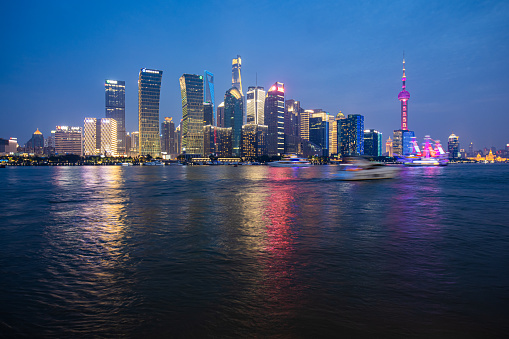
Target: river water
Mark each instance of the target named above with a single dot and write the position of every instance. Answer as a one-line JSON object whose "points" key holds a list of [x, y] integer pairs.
{"points": [[253, 251]]}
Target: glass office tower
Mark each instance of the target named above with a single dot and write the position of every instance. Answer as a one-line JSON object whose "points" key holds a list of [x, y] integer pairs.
{"points": [[191, 90], [255, 104], [115, 109], [274, 118], [149, 90], [233, 117], [208, 92]]}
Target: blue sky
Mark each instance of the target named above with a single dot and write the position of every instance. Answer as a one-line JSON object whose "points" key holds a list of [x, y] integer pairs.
{"points": [[334, 55]]}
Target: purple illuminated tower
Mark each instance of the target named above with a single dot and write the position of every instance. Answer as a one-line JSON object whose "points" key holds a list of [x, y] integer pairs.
{"points": [[403, 96]]}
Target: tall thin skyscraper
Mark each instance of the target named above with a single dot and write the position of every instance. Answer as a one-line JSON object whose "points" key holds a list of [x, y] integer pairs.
{"points": [[274, 112], [236, 77], [255, 105], [208, 92], [403, 96], [115, 109], [191, 90], [149, 90], [220, 115], [351, 131], [233, 110]]}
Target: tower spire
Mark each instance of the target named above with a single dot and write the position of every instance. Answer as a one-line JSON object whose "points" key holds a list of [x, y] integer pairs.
{"points": [[403, 96]]}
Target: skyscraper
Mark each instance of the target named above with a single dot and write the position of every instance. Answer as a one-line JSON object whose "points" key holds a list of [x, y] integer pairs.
{"points": [[253, 140], [255, 101], [372, 143], [208, 114], [351, 135], [236, 74], [403, 96], [453, 146], [100, 137], [220, 115], [115, 109], [191, 90], [168, 142], [233, 117], [208, 93], [319, 133], [274, 112], [91, 137], [149, 90], [36, 143], [109, 137]]}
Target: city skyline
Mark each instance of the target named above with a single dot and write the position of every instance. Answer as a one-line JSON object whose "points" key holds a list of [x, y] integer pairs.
{"points": [[454, 74]]}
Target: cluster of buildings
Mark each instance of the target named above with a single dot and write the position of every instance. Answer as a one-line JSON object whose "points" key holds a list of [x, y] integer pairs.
{"points": [[256, 123]]}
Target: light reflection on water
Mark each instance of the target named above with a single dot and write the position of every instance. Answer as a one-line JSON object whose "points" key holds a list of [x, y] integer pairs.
{"points": [[251, 251]]}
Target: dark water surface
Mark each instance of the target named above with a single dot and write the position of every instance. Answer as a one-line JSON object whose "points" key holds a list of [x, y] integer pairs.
{"points": [[253, 251]]}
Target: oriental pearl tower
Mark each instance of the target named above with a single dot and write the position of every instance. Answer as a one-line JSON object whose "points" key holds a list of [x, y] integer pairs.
{"points": [[403, 96]]}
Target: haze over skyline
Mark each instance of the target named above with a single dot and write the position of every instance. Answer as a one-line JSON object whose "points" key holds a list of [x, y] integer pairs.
{"points": [[338, 56]]}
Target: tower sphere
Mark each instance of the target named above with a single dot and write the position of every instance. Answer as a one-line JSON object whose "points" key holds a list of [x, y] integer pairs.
{"points": [[404, 95]]}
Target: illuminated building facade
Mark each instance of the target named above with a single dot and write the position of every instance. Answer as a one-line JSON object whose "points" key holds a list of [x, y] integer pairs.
{"points": [[292, 112], [402, 142], [236, 74], [135, 143], [372, 143], [36, 143], [220, 115], [68, 140], [388, 147], [100, 137], [223, 141], [255, 101], [8, 146], [168, 140], [208, 97], [191, 90], [115, 109], [351, 130], [254, 140], [91, 137], [319, 133], [149, 90], [233, 117], [208, 114], [335, 134], [304, 123], [453, 146], [109, 137], [274, 118]]}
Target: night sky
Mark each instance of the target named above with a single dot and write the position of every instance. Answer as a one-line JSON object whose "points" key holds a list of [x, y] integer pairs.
{"points": [[334, 55]]}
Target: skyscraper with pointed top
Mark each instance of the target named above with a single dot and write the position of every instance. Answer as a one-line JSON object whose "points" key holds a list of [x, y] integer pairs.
{"points": [[403, 96], [236, 77]]}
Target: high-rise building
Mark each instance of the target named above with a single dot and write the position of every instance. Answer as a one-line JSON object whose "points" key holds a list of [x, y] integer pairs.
{"points": [[233, 117], [191, 90], [319, 133], [91, 137], [208, 114], [274, 118], [168, 141], [149, 90], [471, 151], [304, 123], [115, 109], [236, 74], [335, 134], [36, 143], [319, 113], [68, 140], [402, 142], [292, 113], [255, 104], [100, 137], [109, 137], [453, 146], [220, 115], [351, 131], [388, 147], [178, 137], [253, 140], [135, 143], [403, 96], [208, 94], [372, 143], [209, 140], [223, 141]]}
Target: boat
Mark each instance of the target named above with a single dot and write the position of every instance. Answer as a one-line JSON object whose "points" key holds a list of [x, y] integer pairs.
{"points": [[154, 163], [429, 155], [127, 164], [290, 160], [361, 169]]}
